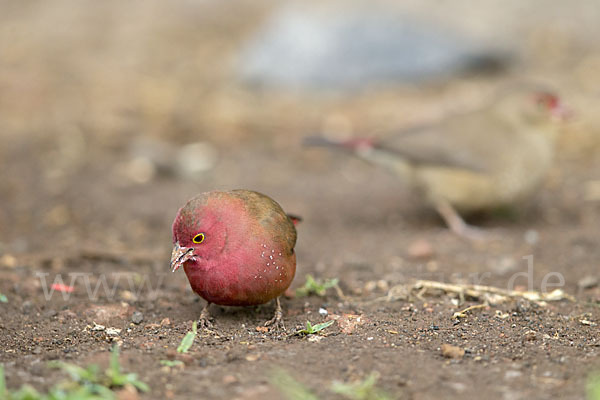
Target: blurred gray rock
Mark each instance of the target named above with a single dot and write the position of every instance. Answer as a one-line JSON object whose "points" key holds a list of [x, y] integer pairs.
{"points": [[137, 317], [351, 48], [150, 158], [196, 158]]}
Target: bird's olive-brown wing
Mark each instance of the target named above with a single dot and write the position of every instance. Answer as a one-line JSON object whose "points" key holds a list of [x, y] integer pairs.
{"points": [[473, 141], [270, 215]]}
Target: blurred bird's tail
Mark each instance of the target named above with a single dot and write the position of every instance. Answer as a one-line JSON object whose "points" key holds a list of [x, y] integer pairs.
{"points": [[295, 219], [368, 149], [354, 144]]}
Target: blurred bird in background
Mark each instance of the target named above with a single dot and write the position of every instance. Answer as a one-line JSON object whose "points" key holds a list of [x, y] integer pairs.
{"points": [[476, 161]]}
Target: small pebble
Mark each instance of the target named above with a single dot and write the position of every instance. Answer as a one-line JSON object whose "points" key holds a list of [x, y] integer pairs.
{"points": [[129, 392], [588, 282], [532, 237], [140, 170], [113, 331], [450, 351], [322, 311], [98, 328], [26, 306], [8, 261], [196, 158], [512, 374], [137, 317], [420, 249]]}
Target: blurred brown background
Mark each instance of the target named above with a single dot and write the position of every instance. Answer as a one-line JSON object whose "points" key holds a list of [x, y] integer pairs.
{"points": [[113, 113]]}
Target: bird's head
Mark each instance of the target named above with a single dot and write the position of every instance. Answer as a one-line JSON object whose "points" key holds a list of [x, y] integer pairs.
{"points": [[199, 232], [532, 106], [550, 105]]}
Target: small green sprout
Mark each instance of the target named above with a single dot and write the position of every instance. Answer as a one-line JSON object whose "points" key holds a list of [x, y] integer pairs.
{"points": [[593, 388], [312, 329], [119, 379], [364, 390], [3, 391], [188, 339], [84, 384], [291, 388], [91, 374], [171, 363], [314, 286]]}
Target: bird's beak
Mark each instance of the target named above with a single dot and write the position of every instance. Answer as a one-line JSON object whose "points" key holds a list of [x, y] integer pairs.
{"points": [[562, 112], [180, 255]]}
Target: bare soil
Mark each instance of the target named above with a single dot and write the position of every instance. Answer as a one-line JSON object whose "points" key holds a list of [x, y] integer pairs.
{"points": [[78, 198]]}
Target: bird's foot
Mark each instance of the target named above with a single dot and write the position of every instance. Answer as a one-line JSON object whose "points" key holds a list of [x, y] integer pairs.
{"points": [[471, 233], [204, 321], [276, 323], [458, 225]]}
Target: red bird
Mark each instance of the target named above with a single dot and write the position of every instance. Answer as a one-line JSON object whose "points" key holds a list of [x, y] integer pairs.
{"points": [[236, 248]]}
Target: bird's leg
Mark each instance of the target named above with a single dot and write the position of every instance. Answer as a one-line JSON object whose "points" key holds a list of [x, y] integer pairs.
{"points": [[204, 320], [277, 320], [457, 224]]}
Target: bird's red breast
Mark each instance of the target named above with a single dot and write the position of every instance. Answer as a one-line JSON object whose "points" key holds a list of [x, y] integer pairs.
{"points": [[246, 256]]}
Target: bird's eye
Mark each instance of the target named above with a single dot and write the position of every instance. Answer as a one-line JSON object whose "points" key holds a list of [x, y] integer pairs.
{"points": [[199, 238]]}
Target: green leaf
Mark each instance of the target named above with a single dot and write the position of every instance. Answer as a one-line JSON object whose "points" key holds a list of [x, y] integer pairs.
{"points": [[313, 286], [26, 392], [3, 392], [364, 390], [321, 326], [188, 339], [291, 388], [171, 363], [593, 388], [312, 329], [114, 366], [132, 379], [89, 374], [84, 384], [119, 379], [3, 298], [309, 327], [77, 392]]}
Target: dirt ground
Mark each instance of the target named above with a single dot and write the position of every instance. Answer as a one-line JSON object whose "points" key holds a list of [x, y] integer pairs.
{"points": [[94, 130]]}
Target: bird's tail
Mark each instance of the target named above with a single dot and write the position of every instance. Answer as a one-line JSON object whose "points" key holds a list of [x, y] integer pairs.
{"points": [[353, 144], [369, 150], [295, 219]]}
